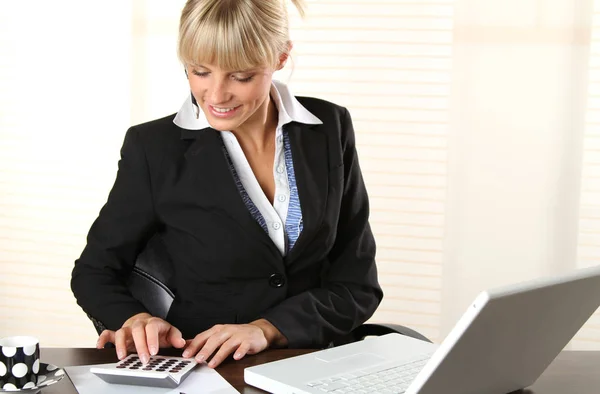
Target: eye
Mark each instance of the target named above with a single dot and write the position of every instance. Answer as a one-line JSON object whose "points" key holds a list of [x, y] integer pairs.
{"points": [[200, 73], [246, 79]]}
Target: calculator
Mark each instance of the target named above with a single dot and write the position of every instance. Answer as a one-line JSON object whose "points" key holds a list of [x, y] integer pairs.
{"points": [[161, 371]]}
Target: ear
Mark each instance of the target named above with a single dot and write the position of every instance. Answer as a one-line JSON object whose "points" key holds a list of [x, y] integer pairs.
{"points": [[283, 58]]}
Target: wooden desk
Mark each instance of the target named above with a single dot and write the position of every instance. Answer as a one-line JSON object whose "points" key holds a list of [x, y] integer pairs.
{"points": [[571, 372]]}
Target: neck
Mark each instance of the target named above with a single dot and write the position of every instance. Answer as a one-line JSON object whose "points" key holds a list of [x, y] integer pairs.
{"points": [[258, 133]]}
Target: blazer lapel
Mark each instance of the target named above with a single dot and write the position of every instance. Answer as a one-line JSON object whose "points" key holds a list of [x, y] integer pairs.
{"points": [[207, 161], [311, 167]]}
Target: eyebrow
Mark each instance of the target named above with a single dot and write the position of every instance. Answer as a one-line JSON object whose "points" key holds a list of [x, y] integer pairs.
{"points": [[230, 72]]}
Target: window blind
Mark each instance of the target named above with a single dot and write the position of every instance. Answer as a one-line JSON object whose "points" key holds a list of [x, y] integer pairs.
{"points": [[389, 63], [589, 217]]}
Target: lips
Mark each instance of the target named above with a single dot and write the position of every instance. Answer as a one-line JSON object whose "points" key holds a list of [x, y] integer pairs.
{"points": [[223, 112]]}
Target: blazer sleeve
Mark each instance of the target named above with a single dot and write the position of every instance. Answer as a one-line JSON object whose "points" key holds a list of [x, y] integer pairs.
{"points": [[350, 291], [116, 237]]}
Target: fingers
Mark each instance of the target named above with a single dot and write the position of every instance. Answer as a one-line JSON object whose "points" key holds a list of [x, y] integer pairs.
{"points": [[146, 336], [105, 337], [121, 337], [143, 334], [212, 344], [175, 338], [224, 351], [242, 350], [198, 342], [223, 340], [207, 342], [138, 332], [152, 337]]}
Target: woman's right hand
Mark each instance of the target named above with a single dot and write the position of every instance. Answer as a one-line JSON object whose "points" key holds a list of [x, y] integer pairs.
{"points": [[144, 334]]}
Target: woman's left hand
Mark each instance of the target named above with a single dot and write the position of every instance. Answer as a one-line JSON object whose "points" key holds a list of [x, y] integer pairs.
{"points": [[224, 339]]}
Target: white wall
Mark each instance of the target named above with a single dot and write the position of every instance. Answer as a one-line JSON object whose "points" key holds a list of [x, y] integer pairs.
{"points": [[518, 109], [64, 106]]}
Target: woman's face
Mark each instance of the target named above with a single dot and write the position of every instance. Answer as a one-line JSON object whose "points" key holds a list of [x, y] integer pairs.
{"points": [[231, 100]]}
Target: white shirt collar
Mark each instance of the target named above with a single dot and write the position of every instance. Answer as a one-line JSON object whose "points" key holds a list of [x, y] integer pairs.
{"points": [[190, 117]]}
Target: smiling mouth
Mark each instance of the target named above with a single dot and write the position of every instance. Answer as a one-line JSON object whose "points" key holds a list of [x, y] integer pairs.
{"points": [[223, 110]]}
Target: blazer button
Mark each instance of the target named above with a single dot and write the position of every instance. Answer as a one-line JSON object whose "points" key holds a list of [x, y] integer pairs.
{"points": [[276, 280]]}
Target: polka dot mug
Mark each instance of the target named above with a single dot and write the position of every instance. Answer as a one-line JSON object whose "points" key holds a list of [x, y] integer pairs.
{"points": [[19, 362]]}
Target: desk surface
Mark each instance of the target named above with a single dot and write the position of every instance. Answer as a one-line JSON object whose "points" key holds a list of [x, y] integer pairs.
{"points": [[571, 372]]}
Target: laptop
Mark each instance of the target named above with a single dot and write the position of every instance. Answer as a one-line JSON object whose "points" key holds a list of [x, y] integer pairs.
{"points": [[503, 342]]}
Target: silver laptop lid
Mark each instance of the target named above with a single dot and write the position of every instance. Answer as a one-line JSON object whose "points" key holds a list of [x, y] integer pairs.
{"points": [[508, 336], [503, 342]]}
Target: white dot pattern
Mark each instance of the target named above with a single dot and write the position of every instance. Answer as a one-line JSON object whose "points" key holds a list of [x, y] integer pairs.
{"points": [[36, 366], [2, 369], [9, 351], [29, 350], [20, 378], [19, 370]]}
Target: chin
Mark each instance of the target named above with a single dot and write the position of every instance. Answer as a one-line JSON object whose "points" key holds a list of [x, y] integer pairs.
{"points": [[222, 125]]}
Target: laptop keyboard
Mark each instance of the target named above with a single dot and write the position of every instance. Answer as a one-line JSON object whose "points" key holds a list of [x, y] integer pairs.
{"points": [[384, 379]]}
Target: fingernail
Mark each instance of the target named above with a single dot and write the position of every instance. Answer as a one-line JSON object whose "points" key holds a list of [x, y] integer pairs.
{"points": [[144, 358], [200, 358], [186, 354], [237, 356], [211, 364], [120, 354], [153, 350]]}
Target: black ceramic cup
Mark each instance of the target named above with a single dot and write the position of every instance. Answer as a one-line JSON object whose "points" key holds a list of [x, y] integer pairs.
{"points": [[19, 362]]}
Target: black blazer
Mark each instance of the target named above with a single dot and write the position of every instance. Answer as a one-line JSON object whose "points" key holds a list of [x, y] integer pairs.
{"points": [[177, 183]]}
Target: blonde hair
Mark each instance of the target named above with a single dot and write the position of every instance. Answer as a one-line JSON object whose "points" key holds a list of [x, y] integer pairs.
{"points": [[234, 34]]}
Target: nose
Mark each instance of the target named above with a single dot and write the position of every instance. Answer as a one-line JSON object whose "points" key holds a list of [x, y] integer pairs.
{"points": [[218, 92]]}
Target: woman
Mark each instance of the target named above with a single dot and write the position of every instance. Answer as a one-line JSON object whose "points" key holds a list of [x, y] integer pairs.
{"points": [[257, 196]]}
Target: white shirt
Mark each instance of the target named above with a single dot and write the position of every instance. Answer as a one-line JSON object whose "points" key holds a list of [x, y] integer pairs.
{"points": [[289, 109]]}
